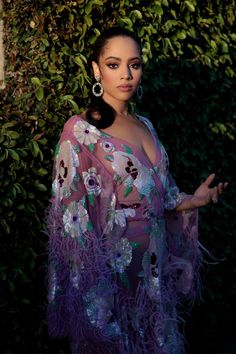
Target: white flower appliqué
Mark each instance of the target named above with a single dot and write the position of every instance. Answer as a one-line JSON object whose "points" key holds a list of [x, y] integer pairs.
{"points": [[92, 181], [86, 133], [67, 161], [136, 174], [75, 219], [107, 146]]}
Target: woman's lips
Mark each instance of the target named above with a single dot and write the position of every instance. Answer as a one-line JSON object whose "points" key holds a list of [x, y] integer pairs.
{"points": [[125, 88]]}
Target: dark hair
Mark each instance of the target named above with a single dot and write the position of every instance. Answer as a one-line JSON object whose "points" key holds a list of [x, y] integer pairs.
{"points": [[100, 113]]}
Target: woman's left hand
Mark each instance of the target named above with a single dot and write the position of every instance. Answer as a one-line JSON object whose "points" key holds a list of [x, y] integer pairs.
{"points": [[205, 194]]}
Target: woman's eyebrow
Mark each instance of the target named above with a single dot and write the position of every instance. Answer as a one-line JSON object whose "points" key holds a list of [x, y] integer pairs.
{"points": [[119, 59]]}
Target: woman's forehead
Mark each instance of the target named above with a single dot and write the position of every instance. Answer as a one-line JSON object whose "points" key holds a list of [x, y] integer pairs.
{"points": [[121, 47]]}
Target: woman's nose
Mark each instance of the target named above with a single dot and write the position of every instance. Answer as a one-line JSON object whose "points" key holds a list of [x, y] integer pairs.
{"points": [[127, 73]]}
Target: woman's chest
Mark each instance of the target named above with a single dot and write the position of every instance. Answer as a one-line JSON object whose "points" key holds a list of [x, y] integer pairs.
{"points": [[137, 136]]}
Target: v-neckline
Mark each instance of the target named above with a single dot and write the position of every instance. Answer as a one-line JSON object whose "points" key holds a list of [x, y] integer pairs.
{"points": [[133, 146], [129, 144]]}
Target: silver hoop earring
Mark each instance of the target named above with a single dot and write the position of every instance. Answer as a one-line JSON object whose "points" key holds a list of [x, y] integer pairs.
{"points": [[139, 92], [97, 88]]}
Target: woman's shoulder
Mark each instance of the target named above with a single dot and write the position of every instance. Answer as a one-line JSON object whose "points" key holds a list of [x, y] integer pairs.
{"points": [[72, 121]]}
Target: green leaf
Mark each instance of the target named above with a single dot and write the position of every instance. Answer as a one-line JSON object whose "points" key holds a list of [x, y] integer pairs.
{"points": [[13, 134], [190, 6], [78, 61], [88, 7], [41, 172], [136, 14], [43, 141], [7, 202], [34, 147], [13, 154], [40, 93], [40, 186], [35, 81], [67, 97], [181, 35], [74, 105], [159, 10], [5, 226], [20, 190], [127, 21], [8, 125], [45, 42]]}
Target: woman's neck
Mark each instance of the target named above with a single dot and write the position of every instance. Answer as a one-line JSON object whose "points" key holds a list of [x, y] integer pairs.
{"points": [[120, 107]]}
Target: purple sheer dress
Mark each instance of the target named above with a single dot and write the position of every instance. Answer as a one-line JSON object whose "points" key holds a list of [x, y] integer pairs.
{"points": [[121, 260]]}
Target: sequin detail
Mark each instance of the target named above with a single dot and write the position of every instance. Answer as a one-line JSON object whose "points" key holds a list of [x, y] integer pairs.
{"points": [[122, 255]]}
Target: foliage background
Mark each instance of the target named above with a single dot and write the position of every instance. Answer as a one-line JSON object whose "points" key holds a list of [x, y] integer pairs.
{"points": [[189, 62]]}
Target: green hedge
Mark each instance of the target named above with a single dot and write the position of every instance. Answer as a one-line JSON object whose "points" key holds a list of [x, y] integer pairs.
{"points": [[189, 62]]}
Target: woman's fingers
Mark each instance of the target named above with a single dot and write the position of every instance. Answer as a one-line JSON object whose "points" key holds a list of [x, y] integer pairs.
{"points": [[218, 190], [214, 192], [209, 179], [221, 187], [214, 196]]}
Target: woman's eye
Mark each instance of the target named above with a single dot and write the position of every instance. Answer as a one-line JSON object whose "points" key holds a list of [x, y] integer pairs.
{"points": [[135, 65], [112, 65]]}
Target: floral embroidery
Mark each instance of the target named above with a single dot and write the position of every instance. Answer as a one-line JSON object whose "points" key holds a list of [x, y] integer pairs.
{"points": [[86, 133], [122, 255], [67, 161], [92, 181], [131, 169], [134, 173], [122, 214], [75, 219], [118, 216], [107, 146]]}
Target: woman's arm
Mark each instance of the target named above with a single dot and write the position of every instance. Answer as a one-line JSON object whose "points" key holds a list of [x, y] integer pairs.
{"points": [[203, 195]]}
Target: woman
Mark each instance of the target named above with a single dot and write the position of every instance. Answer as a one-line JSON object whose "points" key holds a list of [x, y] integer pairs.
{"points": [[123, 240]]}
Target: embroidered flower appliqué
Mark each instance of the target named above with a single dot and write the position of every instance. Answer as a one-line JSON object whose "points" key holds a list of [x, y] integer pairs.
{"points": [[67, 161], [86, 133], [75, 219], [133, 172], [92, 181], [122, 253], [107, 146]]}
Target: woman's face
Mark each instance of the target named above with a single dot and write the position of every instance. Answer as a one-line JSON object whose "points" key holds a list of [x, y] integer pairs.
{"points": [[119, 68]]}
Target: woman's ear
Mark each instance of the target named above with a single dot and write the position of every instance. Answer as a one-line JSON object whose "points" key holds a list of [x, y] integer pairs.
{"points": [[96, 71]]}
